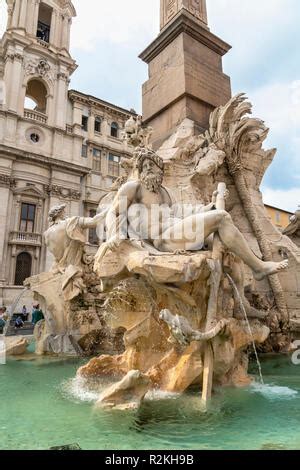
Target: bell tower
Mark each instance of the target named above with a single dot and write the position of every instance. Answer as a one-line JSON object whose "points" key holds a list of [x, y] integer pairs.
{"points": [[37, 60], [186, 79]]}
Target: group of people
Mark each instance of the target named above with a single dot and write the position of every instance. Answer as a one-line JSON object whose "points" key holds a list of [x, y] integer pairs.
{"points": [[3, 318], [36, 316]]}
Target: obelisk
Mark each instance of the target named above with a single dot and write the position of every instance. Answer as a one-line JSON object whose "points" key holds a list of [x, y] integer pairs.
{"points": [[186, 78]]}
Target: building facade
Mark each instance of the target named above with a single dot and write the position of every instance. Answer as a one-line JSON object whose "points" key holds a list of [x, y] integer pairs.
{"points": [[56, 145], [279, 217]]}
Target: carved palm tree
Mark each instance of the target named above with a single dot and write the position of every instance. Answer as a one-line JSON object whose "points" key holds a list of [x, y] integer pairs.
{"points": [[234, 131]]}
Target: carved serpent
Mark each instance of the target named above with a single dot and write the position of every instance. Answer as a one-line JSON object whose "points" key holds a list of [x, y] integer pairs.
{"points": [[182, 331]]}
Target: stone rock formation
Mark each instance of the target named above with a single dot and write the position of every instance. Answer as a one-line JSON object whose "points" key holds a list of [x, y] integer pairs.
{"points": [[126, 394], [15, 345]]}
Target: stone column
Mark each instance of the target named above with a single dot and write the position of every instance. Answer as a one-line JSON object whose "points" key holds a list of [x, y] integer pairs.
{"points": [[77, 113], [35, 16], [9, 16], [61, 99], [30, 17], [23, 14], [39, 217], [53, 28], [91, 126], [64, 31], [105, 127], [58, 37], [9, 61], [4, 228], [17, 214], [16, 13], [69, 33], [16, 83]]}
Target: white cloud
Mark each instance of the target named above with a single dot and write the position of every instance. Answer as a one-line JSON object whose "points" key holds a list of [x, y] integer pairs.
{"points": [[118, 22], [3, 16], [284, 199], [255, 28], [252, 26], [278, 104]]}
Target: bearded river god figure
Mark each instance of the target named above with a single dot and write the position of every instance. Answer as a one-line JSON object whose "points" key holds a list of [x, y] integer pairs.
{"points": [[144, 211]]}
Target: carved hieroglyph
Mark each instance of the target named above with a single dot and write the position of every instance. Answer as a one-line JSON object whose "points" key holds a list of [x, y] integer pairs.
{"points": [[170, 8]]}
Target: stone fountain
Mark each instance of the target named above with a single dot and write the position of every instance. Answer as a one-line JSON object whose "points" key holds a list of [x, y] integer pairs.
{"points": [[185, 248]]}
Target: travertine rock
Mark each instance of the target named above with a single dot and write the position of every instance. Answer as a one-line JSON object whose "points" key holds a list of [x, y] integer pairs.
{"points": [[126, 394], [15, 345]]}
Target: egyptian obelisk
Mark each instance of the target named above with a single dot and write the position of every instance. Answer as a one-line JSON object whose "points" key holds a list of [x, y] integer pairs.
{"points": [[186, 78]]}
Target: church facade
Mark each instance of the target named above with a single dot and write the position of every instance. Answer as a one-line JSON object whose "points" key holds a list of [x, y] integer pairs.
{"points": [[56, 145]]}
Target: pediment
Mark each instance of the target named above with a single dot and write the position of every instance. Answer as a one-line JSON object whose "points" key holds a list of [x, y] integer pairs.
{"points": [[30, 191], [67, 5]]}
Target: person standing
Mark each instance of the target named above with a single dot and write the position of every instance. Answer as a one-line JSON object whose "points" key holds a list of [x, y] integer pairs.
{"points": [[2, 320], [37, 314]]}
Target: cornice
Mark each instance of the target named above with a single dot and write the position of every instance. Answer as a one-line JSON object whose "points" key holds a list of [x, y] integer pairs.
{"points": [[89, 100], [184, 22], [16, 154]]}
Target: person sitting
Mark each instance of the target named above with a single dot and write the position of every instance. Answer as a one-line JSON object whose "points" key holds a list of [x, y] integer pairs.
{"points": [[37, 314], [24, 313], [19, 322], [2, 321]]}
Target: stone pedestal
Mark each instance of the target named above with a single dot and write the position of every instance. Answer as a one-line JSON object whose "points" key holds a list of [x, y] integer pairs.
{"points": [[186, 78]]}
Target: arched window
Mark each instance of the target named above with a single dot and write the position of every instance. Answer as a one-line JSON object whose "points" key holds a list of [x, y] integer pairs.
{"points": [[44, 22], [23, 268], [36, 96], [114, 130]]}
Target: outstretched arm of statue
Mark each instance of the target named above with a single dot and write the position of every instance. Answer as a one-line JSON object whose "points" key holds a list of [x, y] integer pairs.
{"points": [[92, 222]]}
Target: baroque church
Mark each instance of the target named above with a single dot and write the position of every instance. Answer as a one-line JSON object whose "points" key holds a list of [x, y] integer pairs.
{"points": [[56, 145]]}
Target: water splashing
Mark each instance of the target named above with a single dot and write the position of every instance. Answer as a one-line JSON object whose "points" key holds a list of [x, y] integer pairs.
{"points": [[274, 392], [12, 309], [249, 327]]}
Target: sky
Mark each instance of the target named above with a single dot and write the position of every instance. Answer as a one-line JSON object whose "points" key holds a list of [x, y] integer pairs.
{"points": [[264, 62]]}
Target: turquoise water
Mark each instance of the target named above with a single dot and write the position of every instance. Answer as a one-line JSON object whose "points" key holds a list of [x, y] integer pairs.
{"points": [[43, 406]]}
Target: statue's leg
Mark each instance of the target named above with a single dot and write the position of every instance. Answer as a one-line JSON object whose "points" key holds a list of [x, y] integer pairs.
{"points": [[184, 235], [235, 242], [200, 226]]}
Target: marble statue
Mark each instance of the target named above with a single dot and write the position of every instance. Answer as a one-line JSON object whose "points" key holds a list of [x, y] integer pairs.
{"points": [[149, 192], [293, 229], [184, 334], [67, 293], [166, 277], [174, 228], [66, 239]]}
